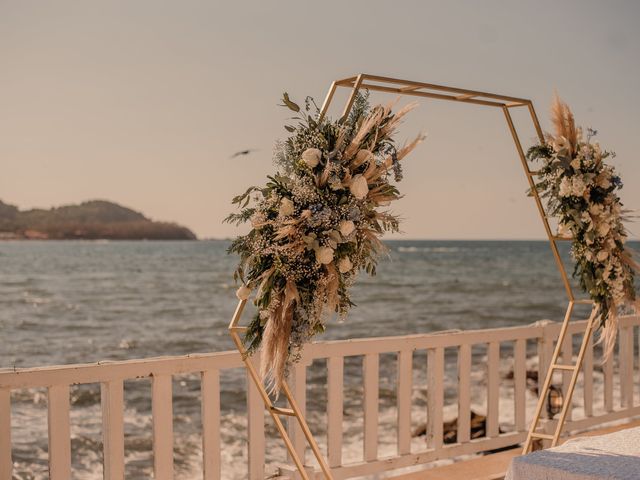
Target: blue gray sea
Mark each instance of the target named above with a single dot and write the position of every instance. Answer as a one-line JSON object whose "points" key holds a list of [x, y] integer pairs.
{"points": [[79, 301]]}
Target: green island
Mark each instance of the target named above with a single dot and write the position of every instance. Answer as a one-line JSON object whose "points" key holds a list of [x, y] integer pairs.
{"points": [[91, 220]]}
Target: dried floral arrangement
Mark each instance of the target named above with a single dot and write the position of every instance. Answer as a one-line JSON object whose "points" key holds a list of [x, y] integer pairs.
{"points": [[315, 224], [581, 192]]}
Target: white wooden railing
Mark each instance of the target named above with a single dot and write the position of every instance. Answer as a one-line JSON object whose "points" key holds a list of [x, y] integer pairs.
{"points": [[491, 351]]}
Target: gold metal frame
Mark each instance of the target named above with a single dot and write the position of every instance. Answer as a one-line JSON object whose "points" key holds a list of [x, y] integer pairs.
{"points": [[440, 92]]}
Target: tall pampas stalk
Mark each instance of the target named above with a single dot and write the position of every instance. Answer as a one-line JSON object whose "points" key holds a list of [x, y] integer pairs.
{"points": [[564, 122]]}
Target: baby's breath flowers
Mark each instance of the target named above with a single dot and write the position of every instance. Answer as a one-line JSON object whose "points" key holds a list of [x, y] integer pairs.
{"points": [[580, 189], [315, 224]]}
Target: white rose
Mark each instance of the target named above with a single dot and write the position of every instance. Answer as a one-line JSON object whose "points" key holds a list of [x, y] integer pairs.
{"points": [[603, 229], [347, 227], [324, 255], [565, 187], [575, 163], [243, 292], [602, 255], [345, 265], [363, 156], [286, 207], [603, 180], [311, 156], [359, 187], [578, 186]]}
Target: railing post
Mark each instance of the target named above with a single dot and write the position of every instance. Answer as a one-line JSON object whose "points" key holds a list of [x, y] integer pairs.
{"points": [[298, 385], [520, 384], [435, 397], [405, 383], [335, 401], [255, 414], [162, 416], [6, 464], [546, 340], [59, 433], [112, 401], [371, 382], [464, 394], [210, 408], [625, 366], [493, 390]]}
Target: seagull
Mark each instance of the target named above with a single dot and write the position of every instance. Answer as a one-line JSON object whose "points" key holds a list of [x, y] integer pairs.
{"points": [[243, 152]]}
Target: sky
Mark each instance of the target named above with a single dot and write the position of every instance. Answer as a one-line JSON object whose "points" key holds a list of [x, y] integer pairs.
{"points": [[143, 103]]}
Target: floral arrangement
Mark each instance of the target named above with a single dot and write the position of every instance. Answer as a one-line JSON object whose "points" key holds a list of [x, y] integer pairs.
{"points": [[315, 224], [581, 191]]}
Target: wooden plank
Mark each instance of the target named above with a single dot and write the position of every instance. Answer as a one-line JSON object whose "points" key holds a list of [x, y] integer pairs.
{"points": [[298, 386], [464, 393], [435, 397], [493, 389], [255, 416], [625, 336], [112, 400], [545, 352], [210, 407], [59, 432], [405, 384], [6, 463], [607, 370], [334, 410], [162, 413], [587, 378], [567, 359], [371, 382], [520, 384]]}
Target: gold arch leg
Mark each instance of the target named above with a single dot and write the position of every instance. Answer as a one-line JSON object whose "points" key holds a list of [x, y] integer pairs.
{"points": [[277, 412]]}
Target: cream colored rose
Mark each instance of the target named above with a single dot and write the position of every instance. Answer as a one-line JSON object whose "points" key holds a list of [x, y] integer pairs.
{"points": [[324, 255], [286, 207], [243, 292], [565, 187], [345, 265], [359, 187], [578, 186], [311, 156], [603, 180], [347, 227], [603, 229], [363, 156], [602, 255], [575, 163]]}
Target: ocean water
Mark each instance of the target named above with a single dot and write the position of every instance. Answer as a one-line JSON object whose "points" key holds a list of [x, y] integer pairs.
{"points": [[78, 302]]}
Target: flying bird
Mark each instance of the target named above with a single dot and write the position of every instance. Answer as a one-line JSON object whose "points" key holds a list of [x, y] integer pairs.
{"points": [[243, 152]]}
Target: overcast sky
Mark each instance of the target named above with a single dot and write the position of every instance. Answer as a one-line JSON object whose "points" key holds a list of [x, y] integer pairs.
{"points": [[143, 102]]}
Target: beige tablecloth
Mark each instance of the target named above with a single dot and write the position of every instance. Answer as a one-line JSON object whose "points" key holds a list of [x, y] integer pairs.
{"points": [[614, 456]]}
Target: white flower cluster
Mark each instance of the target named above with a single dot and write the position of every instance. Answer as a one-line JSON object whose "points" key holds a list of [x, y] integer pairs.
{"points": [[581, 192]]}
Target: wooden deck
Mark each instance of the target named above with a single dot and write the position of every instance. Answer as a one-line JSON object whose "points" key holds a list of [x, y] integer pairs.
{"points": [[494, 466]]}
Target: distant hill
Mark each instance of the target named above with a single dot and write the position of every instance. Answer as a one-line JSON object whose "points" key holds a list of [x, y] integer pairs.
{"points": [[95, 219]]}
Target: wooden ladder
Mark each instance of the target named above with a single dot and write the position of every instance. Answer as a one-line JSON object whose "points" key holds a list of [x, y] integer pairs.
{"points": [[276, 412], [554, 366]]}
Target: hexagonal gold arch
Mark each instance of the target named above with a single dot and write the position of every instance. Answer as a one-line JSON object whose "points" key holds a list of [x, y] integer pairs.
{"points": [[461, 95]]}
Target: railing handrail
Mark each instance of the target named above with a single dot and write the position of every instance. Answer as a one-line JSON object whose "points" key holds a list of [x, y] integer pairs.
{"points": [[29, 377]]}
